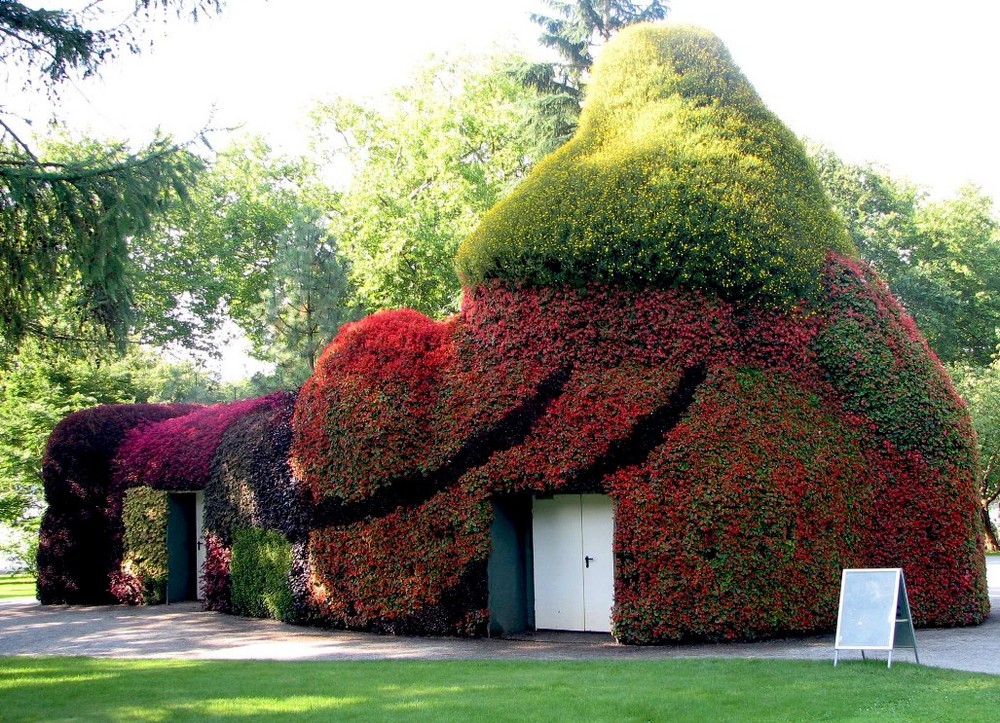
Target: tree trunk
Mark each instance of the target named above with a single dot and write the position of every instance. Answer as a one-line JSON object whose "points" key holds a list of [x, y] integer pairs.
{"points": [[992, 543]]}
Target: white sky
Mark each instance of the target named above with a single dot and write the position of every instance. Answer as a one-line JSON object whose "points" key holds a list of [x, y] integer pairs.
{"points": [[910, 84], [907, 83]]}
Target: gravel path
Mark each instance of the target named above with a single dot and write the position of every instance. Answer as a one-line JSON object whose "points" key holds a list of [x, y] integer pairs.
{"points": [[185, 631]]}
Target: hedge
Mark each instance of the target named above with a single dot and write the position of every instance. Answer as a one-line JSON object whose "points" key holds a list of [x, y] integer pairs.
{"points": [[747, 464], [678, 176], [260, 566], [80, 542], [252, 494], [143, 576]]}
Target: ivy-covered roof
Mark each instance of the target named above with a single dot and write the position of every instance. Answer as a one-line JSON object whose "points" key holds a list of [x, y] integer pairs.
{"points": [[678, 176]]}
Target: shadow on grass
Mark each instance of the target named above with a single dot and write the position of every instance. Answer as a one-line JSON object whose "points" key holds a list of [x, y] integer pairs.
{"points": [[155, 690]]}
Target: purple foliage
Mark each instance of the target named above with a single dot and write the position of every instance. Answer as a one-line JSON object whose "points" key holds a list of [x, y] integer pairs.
{"points": [[77, 551], [252, 486], [177, 454]]}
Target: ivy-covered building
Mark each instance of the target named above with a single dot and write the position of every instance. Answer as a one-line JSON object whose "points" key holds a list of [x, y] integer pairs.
{"points": [[674, 405]]}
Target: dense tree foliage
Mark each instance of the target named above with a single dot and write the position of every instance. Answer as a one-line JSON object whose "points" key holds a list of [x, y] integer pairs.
{"points": [[940, 257], [254, 246], [305, 303], [66, 227], [428, 162], [67, 214], [980, 386], [953, 279], [443, 149]]}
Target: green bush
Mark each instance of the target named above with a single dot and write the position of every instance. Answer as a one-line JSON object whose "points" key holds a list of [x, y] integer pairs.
{"points": [[144, 515], [678, 176], [260, 566]]}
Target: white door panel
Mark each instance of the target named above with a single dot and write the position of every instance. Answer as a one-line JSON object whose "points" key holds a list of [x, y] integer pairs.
{"points": [[599, 566], [558, 556], [573, 562], [202, 551]]}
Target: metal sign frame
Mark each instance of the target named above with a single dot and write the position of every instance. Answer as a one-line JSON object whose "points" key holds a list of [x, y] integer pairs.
{"points": [[874, 612]]}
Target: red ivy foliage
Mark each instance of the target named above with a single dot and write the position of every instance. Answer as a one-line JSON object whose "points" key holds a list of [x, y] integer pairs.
{"points": [[218, 585], [389, 364], [77, 551], [177, 454], [751, 456]]}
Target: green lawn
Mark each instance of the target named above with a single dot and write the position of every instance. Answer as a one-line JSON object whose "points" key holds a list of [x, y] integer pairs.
{"points": [[16, 586], [53, 689]]}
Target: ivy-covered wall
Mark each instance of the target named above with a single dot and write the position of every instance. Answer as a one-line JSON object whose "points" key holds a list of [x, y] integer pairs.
{"points": [[143, 576], [667, 311], [174, 455], [257, 519], [93, 458], [80, 542], [747, 464], [177, 454]]}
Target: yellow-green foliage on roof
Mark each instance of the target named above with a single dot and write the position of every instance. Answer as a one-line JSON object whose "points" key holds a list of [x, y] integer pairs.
{"points": [[677, 176]]}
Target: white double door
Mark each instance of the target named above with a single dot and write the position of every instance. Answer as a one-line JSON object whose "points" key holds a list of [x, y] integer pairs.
{"points": [[573, 563]]}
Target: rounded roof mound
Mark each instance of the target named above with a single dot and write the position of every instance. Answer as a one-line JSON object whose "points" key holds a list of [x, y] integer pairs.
{"points": [[678, 176]]}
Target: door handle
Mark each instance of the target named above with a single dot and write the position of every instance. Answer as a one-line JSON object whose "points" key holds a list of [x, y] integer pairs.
{"points": [[587, 560]]}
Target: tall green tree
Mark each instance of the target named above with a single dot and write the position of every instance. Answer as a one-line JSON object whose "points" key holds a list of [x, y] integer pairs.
{"points": [[879, 210], [952, 279], [254, 246], [66, 219], [574, 30], [941, 258], [980, 387], [423, 166], [208, 260], [305, 303], [66, 226]]}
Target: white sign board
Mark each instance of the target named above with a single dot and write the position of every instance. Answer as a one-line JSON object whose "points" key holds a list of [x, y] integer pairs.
{"points": [[874, 612]]}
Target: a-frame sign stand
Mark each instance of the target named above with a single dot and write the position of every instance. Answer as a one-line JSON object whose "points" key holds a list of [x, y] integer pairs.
{"points": [[874, 612]]}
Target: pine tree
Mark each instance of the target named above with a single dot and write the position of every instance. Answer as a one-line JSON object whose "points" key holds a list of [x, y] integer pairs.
{"points": [[306, 302], [575, 30], [66, 220]]}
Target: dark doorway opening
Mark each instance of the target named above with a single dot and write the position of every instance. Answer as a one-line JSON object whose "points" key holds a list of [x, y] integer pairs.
{"points": [[182, 566], [511, 588]]}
